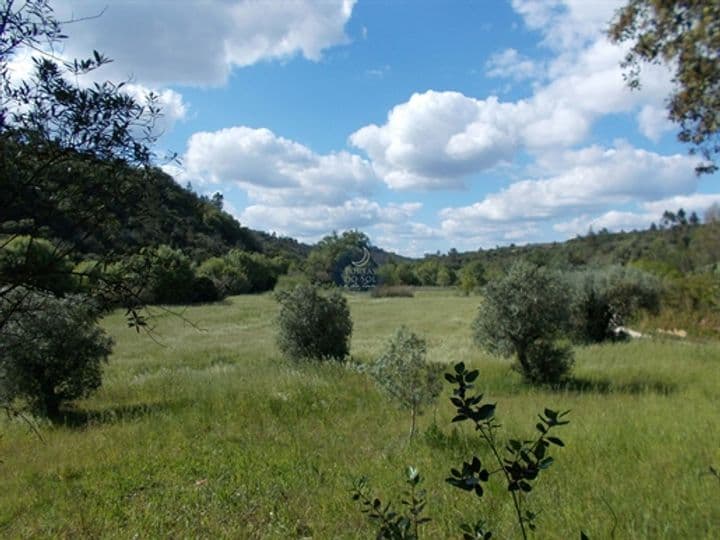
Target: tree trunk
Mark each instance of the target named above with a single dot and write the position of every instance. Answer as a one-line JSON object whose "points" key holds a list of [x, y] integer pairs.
{"points": [[412, 425]]}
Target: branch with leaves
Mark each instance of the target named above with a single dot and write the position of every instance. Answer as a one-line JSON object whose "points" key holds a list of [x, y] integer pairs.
{"points": [[520, 461], [393, 525]]}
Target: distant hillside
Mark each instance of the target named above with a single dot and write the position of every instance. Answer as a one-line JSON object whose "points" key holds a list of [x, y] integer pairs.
{"points": [[122, 209], [130, 209], [680, 248]]}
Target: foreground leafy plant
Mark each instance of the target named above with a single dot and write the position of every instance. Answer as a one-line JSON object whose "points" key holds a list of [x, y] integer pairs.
{"points": [[520, 462], [393, 525]]}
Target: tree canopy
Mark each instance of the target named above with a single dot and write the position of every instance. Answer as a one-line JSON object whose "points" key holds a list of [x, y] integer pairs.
{"points": [[685, 35]]}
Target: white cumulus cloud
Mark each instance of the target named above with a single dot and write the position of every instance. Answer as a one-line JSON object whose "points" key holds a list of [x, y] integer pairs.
{"points": [[274, 169], [313, 221], [592, 179], [196, 42], [510, 64], [437, 139]]}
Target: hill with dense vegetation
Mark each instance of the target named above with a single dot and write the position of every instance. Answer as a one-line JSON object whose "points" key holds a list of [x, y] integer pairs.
{"points": [[137, 208]]}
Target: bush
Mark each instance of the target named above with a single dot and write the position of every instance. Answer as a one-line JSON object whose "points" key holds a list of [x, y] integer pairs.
{"points": [[312, 325], [547, 362], [445, 276], [472, 277], [523, 313], [228, 279], [51, 351], [88, 276], [605, 299], [204, 290], [172, 277], [261, 271], [35, 263], [289, 281], [403, 372]]}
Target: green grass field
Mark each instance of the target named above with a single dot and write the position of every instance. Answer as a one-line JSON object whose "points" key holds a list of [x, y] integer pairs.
{"points": [[210, 434]]}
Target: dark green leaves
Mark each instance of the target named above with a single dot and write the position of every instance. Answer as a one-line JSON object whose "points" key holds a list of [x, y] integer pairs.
{"points": [[523, 459], [391, 524], [556, 441], [470, 478]]}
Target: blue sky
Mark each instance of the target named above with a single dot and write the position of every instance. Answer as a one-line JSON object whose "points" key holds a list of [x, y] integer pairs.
{"points": [[426, 124]]}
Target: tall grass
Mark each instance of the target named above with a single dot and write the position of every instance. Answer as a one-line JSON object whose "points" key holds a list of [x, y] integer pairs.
{"points": [[211, 434]]}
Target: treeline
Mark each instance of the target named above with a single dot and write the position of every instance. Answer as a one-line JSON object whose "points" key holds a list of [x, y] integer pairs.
{"points": [[681, 253]]}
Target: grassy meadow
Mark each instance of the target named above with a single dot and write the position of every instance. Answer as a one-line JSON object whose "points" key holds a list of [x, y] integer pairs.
{"points": [[209, 433]]}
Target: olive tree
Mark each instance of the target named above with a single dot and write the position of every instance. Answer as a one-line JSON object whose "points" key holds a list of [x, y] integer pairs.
{"points": [[403, 371], [51, 352], [312, 325], [523, 314]]}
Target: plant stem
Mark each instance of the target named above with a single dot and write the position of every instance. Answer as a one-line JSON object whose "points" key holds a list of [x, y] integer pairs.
{"points": [[412, 425], [487, 435]]}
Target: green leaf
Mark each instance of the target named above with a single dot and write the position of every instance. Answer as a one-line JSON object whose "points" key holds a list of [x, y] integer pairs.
{"points": [[545, 463], [556, 441], [486, 411], [471, 376], [515, 444]]}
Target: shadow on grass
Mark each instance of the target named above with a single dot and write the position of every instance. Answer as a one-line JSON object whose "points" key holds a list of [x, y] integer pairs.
{"points": [[581, 385], [80, 418]]}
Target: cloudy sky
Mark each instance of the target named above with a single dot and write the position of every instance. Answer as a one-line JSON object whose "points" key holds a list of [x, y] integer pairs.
{"points": [[428, 124]]}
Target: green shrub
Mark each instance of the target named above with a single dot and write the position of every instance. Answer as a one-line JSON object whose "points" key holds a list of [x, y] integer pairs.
{"points": [[606, 298], [313, 325], [404, 373], [228, 279], [51, 351], [445, 276], [547, 362], [261, 271], [472, 277], [35, 263], [172, 277], [88, 275], [290, 281], [204, 290], [522, 313], [517, 462]]}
